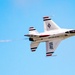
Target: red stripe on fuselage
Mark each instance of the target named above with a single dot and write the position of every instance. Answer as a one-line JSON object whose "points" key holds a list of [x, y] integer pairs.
{"points": [[44, 35]]}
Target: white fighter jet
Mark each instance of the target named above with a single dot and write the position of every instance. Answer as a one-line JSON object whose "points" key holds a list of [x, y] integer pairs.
{"points": [[52, 35]]}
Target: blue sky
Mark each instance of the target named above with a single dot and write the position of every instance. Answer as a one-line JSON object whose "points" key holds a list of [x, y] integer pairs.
{"points": [[16, 16]]}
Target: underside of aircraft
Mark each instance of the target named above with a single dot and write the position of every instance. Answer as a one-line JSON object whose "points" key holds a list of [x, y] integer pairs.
{"points": [[52, 35]]}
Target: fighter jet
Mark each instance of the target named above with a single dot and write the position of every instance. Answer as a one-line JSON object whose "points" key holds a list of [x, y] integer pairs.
{"points": [[52, 35]]}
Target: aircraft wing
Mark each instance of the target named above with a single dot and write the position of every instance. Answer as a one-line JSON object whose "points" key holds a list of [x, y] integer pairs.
{"points": [[49, 24], [34, 46], [51, 46]]}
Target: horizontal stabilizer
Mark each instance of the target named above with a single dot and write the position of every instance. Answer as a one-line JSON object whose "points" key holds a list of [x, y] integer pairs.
{"points": [[34, 46], [32, 30]]}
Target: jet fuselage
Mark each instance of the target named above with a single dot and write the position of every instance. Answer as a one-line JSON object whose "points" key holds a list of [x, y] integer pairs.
{"points": [[55, 34]]}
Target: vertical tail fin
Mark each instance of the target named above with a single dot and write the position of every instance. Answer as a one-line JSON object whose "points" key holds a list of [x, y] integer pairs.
{"points": [[32, 30]]}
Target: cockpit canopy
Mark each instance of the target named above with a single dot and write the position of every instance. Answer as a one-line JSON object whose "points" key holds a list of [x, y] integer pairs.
{"points": [[71, 31]]}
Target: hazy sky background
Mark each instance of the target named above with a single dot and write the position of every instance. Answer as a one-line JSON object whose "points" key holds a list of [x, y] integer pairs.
{"points": [[16, 58]]}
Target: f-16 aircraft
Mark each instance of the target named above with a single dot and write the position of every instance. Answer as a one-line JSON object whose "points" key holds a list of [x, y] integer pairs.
{"points": [[52, 35]]}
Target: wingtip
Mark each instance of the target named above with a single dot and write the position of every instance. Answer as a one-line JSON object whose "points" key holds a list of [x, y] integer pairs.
{"points": [[45, 18], [49, 53]]}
